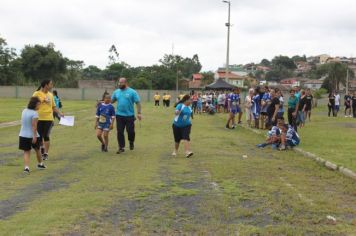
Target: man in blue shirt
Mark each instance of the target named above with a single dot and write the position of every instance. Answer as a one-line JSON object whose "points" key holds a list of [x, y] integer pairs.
{"points": [[126, 97]]}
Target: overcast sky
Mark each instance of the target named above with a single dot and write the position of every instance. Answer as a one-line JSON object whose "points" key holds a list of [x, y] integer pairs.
{"points": [[144, 30]]}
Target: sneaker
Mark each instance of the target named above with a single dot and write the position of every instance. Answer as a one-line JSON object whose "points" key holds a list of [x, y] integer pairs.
{"points": [[41, 167], [233, 127], [103, 147], [45, 157], [121, 150], [174, 154], [227, 127], [189, 154], [240, 122], [282, 147], [26, 170], [132, 146]]}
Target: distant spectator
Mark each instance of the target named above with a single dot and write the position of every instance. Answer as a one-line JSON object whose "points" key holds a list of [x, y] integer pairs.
{"points": [[348, 100]]}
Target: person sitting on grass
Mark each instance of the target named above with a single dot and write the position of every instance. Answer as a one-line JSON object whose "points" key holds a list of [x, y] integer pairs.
{"points": [[210, 109], [289, 137], [105, 118], [273, 135], [182, 126], [29, 137]]}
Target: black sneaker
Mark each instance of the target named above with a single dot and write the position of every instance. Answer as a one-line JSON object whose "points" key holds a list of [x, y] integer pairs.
{"points": [[41, 167], [121, 150], [189, 154], [105, 149], [45, 157], [26, 170], [102, 147], [132, 146], [227, 127]]}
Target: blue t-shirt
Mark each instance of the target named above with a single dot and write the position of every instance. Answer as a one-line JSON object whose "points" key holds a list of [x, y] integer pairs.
{"points": [[105, 113], [234, 100], [56, 101], [183, 119], [125, 101], [256, 108], [266, 98], [26, 123]]}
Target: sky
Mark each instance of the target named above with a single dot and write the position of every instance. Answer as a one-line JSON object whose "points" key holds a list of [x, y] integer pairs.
{"points": [[143, 31]]}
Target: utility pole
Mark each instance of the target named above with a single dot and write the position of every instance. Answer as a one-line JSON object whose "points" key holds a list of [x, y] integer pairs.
{"points": [[347, 79], [228, 25]]}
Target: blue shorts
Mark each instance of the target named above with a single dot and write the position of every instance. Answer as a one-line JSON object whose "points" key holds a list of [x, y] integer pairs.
{"points": [[337, 108], [290, 143], [235, 110], [104, 126]]}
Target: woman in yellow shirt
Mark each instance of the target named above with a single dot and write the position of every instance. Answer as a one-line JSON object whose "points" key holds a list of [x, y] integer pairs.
{"points": [[157, 97], [45, 114]]}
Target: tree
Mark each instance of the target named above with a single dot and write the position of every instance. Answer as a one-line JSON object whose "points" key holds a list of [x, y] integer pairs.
{"points": [[114, 71], [335, 74], [42, 62], [283, 62], [92, 72], [187, 66], [208, 77], [298, 58], [8, 72], [265, 62]]}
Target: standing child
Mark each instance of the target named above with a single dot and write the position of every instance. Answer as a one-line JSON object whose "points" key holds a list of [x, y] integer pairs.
{"points": [[105, 118], [28, 137], [58, 103], [182, 126], [199, 104]]}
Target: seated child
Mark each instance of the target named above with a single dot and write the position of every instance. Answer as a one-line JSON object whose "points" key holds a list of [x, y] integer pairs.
{"points": [[289, 137], [274, 135]]}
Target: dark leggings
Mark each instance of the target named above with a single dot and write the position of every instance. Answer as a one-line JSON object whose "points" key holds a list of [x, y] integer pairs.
{"points": [[292, 120], [331, 109], [44, 128]]}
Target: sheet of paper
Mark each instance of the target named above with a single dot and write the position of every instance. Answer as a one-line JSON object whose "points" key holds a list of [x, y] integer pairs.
{"points": [[67, 121]]}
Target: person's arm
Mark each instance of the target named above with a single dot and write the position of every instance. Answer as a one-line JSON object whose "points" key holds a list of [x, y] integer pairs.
{"points": [[34, 130], [113, 98], [56, 110], [138, 107], [112, 117], [296, 109]]}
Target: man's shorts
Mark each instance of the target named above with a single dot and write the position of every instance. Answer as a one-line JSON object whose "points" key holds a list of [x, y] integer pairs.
{"points": [[104, 126], [26, 144]]}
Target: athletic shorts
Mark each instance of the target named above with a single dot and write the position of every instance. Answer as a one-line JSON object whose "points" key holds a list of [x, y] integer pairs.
{"points": [[44, 128], [156, 103], [307, 108], [235, 110], [181, 133], [104, 126], [26, 143]]}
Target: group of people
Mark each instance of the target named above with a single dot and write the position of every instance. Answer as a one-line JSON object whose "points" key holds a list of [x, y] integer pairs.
{"points": [[166, 98], [349, 103], [37, 120]]}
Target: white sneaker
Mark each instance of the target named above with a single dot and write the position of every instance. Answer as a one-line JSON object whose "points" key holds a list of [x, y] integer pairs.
{"points": [[174, 154], [188, 154]]}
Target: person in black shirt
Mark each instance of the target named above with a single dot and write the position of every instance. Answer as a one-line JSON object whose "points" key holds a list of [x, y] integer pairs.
{"points": [[331, 104], [308, 104], [273, 108], [353, 99], [347, 103], [301, 110]]}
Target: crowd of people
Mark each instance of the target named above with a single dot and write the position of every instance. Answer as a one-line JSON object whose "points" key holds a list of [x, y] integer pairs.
{"points": [[265, 108]]}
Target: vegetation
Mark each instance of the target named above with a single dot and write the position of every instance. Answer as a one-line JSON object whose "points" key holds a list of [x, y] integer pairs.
{"points": [[228, 187]]}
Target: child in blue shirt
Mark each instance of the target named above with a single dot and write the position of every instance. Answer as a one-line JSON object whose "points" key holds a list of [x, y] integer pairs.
{"points": [[182, 126], [105, 118]]}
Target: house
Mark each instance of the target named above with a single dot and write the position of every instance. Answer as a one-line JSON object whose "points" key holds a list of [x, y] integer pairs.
{"points": [[352, 85], [237, 75], [196, 81], [303, 67], [290, 82], [264, 68], [323, 58], [313, 84]]}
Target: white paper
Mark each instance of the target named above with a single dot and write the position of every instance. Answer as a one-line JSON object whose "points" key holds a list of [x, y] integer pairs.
{"points": [[67, 121]]}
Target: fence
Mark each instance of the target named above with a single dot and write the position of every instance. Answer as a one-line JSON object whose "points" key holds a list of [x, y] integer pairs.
{"points": [[96, 93], [77, 93]]}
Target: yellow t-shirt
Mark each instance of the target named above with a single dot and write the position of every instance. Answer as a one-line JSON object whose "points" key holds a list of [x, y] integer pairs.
{"points": [[156, 97], [167, 97], [45, 112], [181, 96]]}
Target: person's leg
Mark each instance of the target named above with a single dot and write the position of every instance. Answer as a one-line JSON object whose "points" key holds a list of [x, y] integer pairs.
{"points": [[329, 110], [47, 133], [130, 129], [99, 135], [26, 158], [120, 127], [186, 146], [228, 120], [106, 139]]}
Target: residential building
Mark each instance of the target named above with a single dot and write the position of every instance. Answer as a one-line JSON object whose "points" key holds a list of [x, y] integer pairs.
{"points": [[196, 81], [313, 84]]}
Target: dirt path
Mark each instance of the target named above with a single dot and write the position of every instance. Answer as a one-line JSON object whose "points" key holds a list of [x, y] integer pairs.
{"points": [[10, 124]]}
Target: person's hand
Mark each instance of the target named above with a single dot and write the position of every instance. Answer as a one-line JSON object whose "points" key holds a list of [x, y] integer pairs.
{"points": [[34, 140], [96, 126], [139, 116], [111, 127], [273, 119], [61, 114]]}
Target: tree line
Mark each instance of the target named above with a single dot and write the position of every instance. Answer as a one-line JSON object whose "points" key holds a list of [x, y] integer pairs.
{"points": [[38, 62]]}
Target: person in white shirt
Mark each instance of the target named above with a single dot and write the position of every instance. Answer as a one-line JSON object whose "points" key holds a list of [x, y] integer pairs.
{"points": [[337, 102], [221, 102]]}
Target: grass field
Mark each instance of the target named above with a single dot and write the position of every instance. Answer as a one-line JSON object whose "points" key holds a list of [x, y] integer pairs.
{"points": [[142, 192]]}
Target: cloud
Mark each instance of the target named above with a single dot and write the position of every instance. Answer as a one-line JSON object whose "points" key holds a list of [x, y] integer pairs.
{"points": [[145, 30]]}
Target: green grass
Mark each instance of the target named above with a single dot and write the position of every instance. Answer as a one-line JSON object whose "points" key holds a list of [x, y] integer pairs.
{"points": [[146, 191]]}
